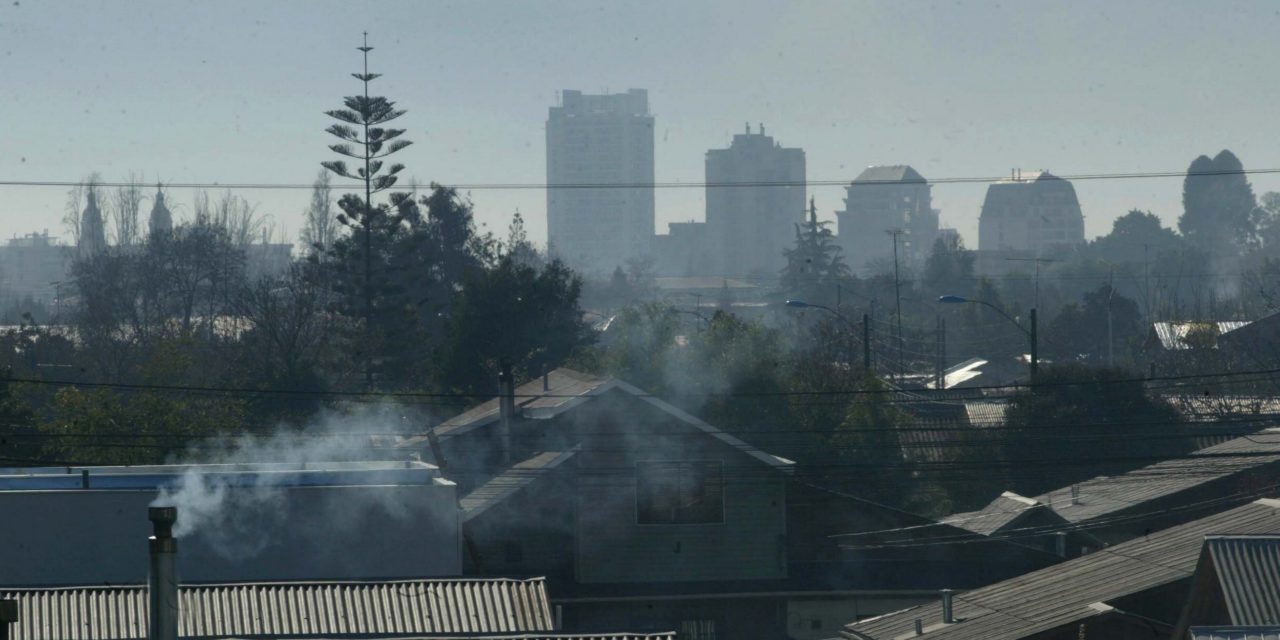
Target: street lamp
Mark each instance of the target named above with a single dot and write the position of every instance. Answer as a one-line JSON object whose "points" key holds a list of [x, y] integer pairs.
{"points": [[1031, 334], [866, 328]]}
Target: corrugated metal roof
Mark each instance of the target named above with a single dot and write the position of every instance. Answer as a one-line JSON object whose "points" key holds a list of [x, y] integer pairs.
{"points": [[507, 483], [620, 635], [1248, 572], [1172, 335], [1107, 494], [1234, 633], [986, 414], [1069, 592], [1000, 513], [314, 610]]}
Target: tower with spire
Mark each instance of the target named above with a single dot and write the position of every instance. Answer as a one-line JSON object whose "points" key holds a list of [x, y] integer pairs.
{"points": [[161, 223], [93, 231]]}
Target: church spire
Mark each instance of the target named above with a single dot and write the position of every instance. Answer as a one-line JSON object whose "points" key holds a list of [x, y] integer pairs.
{"points": [[93, 231], [161, 220]]}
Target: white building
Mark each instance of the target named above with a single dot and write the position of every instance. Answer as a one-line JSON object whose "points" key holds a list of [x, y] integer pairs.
{"points": [[604, 140], [1033, 213], [749, 227], [243, 522], [881, 199]]}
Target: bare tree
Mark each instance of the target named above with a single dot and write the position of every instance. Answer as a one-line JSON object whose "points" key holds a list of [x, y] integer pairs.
{"points": [[320, 226], [127, 205]]}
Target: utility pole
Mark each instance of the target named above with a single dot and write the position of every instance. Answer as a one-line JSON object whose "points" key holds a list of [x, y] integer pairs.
{"points": [[1036, 301], [1111, 293], [1035, 351], [866, 342], [897, 294]]}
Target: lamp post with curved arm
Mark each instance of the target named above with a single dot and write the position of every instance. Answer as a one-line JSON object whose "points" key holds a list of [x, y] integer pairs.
{"points": [[866, 345], [1031, 333]]}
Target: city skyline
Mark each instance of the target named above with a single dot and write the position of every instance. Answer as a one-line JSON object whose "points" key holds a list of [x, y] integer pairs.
{"points": [[201, 94]]}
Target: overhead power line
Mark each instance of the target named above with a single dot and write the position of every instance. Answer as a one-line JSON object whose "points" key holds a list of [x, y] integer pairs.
{"points": [[507, 186]]}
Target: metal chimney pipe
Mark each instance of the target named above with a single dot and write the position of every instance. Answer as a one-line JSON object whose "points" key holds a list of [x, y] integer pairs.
{"points": [[948, 612], [1060, 543], [1075, 494], [8, 616], [163, 582], [919, 627], [506, 410]]}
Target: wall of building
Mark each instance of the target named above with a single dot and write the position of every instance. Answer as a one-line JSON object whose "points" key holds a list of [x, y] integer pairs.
{"points": [[619, 430], [606, 140], [749, 227], [1036, 214], [289, 533], [885, 198]]}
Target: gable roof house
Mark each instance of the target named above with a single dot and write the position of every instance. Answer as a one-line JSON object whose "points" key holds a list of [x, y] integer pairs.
{"points": [[1112, 509], [1235, 592], [643, 516], [1131, 590]]}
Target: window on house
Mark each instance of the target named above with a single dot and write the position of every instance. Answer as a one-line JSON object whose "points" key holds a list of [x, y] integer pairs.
{"points": [[697, 630], [680, 492]]}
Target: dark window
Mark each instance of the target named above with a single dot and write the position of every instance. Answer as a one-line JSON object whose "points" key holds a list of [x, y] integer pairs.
{"points": [[697, 630], [679, 493]]}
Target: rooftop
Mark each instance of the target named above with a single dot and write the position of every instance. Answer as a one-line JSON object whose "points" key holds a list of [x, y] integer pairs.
{"points": [[293, 474], [291, 610], [889, 173], [1075, 590]]}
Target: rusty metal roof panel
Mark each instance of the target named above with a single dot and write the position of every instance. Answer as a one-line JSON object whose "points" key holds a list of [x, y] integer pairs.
{"points": [[1075, 590], [295, 610]]}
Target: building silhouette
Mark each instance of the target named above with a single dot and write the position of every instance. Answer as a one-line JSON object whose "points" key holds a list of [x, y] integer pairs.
{"points": [[880, 199], [748, 227], [604, 140], [161, 222], [93, 231], [1035, 213]]}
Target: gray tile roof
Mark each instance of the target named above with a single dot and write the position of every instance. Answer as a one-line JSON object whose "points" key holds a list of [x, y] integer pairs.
{"points": [[1248, 572], [293, 610], [557, 635], [566, 389], [511, 481], [1074, 590], [1105, 495], [889, 173], [999, 515], [1108, 494]]}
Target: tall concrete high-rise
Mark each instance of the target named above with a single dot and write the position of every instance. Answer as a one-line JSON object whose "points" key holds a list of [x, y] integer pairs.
{"points": [[602, 140], [749, 227], [1031, 213], [882, 198]]}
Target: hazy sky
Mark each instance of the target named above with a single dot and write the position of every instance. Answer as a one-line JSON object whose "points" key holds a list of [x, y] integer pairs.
{"points": [[216, 91]]}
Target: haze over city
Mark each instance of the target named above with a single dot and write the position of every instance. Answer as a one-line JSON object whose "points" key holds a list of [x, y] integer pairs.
{"points": [[235, 93]]}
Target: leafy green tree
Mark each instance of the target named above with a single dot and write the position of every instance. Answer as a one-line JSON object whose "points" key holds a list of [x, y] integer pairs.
{"points": [[1078, 422], [1104, 327], [815, 265], [1219, 209], [949, 268], [511, 315]]}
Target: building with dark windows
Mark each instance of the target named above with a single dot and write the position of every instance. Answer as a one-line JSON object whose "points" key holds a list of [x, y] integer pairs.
{"points": [[881, 199], [604, 140], [1034, 214], [748, 227]]}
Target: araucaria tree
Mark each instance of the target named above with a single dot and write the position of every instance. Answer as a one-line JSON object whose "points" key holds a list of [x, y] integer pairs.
{"points": [[368, 142], [815, 264]]}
